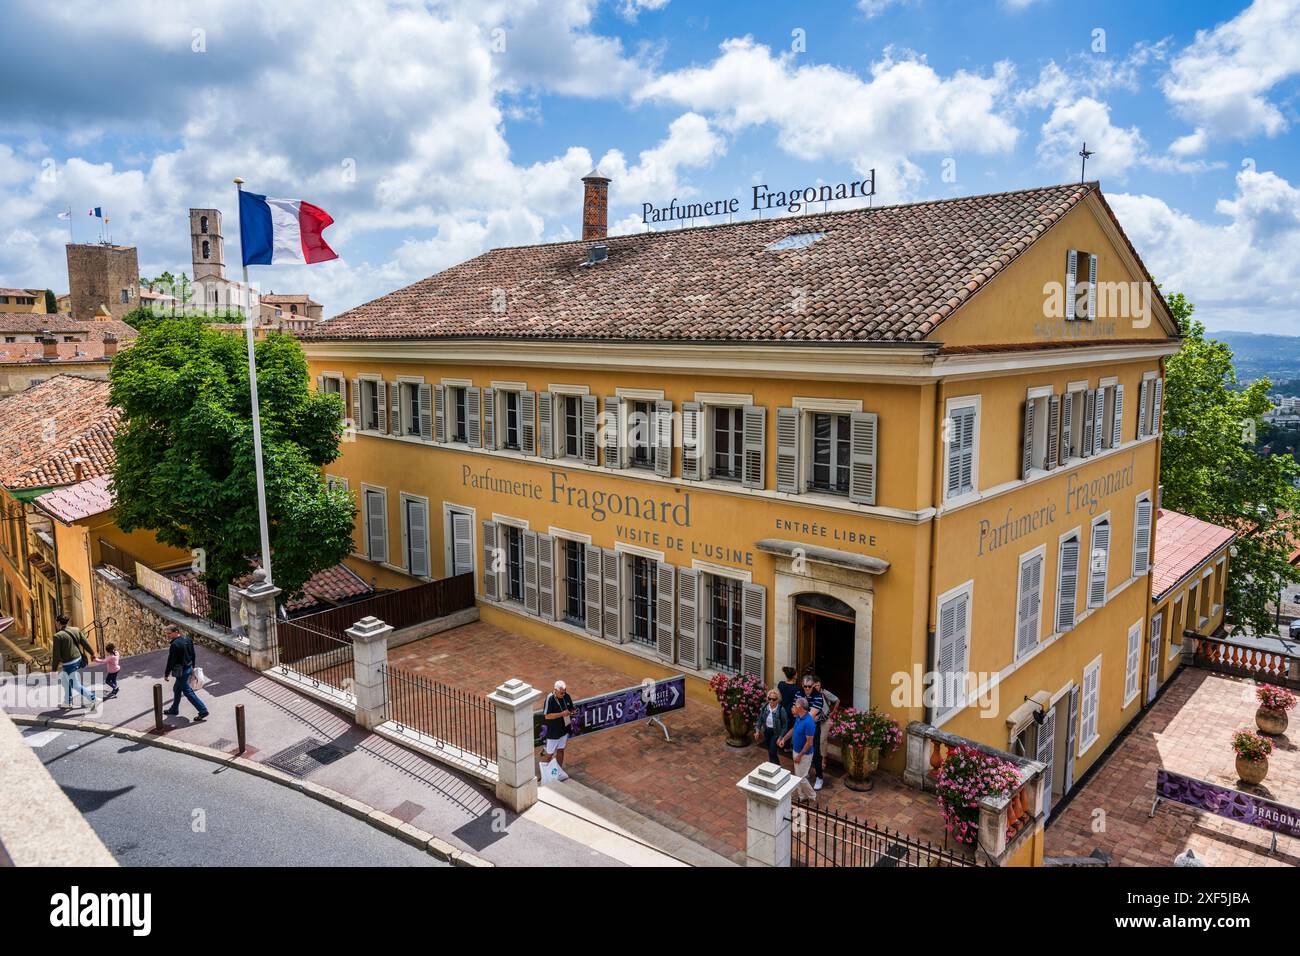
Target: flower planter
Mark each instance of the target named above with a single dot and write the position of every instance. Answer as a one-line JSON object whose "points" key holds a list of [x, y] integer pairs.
{"points": [[1271, 722], [737, 729], [860, 762], [1252, 772]]}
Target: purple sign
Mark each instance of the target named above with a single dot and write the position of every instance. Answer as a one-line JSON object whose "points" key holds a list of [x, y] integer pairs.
{"points": [[619, 707], [1228, 803]]}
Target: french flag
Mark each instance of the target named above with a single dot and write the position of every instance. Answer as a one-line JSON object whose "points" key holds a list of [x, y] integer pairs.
{"points": [[282, 231]]}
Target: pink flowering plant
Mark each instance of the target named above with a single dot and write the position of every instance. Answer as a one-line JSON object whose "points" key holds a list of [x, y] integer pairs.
{"points": [[1251, 746], [851, 727], [966, 776], [739, 693], [1275, 698]]}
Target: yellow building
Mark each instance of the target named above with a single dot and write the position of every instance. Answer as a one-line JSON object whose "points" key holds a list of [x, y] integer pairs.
{"points": [[23, 301], [914, 449], [1188, 580]]}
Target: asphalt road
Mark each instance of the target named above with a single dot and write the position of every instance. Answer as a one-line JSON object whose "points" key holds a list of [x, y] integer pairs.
{"points": [[152, 807]]}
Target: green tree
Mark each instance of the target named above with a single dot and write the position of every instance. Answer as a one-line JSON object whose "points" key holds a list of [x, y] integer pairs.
{"points": [[185, 451], [1210, 469], [51, 302]]}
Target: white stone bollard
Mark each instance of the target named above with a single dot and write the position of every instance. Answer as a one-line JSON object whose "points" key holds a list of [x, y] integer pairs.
{"points": [[259, 599], [369, 659], [768, 791], [516, 773]]}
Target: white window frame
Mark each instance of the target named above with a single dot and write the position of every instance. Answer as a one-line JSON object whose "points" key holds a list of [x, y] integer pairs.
{"points": [[962, 402], [1078, 392], [449, 389], [1174, 608], [1041, 396], [806, 439], [499, 391], [362, 379], [1085, 744], [1040, 553], [448, 538], [1149, 403], [558, 434], [709, 402], [1133, 663], [408, 384], [966, 588]]}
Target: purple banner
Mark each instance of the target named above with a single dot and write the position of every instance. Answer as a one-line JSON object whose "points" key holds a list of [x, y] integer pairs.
{"points": [[1228, 803], [619, 707]]}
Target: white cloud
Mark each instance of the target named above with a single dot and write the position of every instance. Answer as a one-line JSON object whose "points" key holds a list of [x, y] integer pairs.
{"points": [[1241, 271], [1189, 145], [1223, 81], [1087, 120], [691, 143], [631, 9], [903, 109]]}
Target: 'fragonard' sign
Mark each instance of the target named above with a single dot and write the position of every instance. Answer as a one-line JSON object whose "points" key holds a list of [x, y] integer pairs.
{"points": [[763, 199], [605, 711], [1228, 803]]}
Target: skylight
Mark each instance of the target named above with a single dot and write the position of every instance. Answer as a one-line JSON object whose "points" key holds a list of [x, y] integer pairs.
{"points": [[799, 241]]}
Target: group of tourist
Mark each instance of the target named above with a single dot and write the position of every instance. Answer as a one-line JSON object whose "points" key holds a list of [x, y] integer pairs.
{"points": [[792, 721]]}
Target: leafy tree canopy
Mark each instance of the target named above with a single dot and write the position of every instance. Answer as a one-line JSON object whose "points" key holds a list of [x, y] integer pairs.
{"points": [[185, 467], [1210, 469]]}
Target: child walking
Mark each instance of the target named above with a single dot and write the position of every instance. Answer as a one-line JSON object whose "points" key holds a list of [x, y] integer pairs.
{"points": [[112, 662]]}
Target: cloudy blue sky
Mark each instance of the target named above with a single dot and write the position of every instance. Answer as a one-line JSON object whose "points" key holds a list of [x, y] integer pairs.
{"points": [[432, 131]]}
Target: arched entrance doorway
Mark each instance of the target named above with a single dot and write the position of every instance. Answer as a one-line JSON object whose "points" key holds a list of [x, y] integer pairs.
{"points": [[825, 641]]}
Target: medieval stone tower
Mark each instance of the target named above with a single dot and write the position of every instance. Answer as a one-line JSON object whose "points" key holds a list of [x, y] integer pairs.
{"points": [[207, 248]]}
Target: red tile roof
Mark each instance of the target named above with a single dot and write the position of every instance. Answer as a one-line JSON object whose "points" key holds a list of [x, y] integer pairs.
{"points": [[83, 500], [28, 323], [44, 429], [332, 586], [1183, 545], [887, 274]]}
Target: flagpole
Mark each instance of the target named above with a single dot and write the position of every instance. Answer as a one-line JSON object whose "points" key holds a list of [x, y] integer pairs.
{"points": [[252, 390]]}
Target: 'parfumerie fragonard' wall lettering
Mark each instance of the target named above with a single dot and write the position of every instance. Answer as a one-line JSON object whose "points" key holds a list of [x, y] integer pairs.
{"points": [[1081, 498]]}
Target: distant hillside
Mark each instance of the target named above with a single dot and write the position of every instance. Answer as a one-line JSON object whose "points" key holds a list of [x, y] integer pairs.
{"points": [[1257, 355]]}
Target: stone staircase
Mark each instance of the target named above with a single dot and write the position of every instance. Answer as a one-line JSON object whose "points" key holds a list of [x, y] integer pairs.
{"points": [[18, 649]]}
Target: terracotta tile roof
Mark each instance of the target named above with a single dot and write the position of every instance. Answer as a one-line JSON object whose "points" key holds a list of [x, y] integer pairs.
{"points": [[33, 353], [287, 298], [83, 500], [27, 323], [888, 274], [327, 588], [1183, 544], [32, 292], [46, 427]]}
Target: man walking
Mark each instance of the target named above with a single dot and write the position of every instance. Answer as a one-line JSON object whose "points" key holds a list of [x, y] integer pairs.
{"points": [[558, 714], [71, 652], [801, 741], [815, 704], [180, 665]]}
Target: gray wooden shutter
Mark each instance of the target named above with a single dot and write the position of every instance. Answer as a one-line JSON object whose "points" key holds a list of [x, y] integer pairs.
{"points": [[1092, 288], [589, 429], [426, 412], [530, 571], [1067, 585], [754, 462], [610, 602], [545, 576], [1142, 409], [665, 602], [953, 650], [1088, 442], [491, 579], [489, 418], [528, 423], [1071, 272], [381, 400], [1027, 446], [320, 384], [1029, 606], [613, 440], [862, 458], [1099, 564], [1117, 420], [1067, 427], [395, 402], [473, 433], [689, 644], [1053, 427], [591, 588], [417, 537], [376, 526], [664, 438], [787, 450], [546, 424], [462, 543], [692, 452], [439, 413], [356, 404], [753, 630], [1142, 537], [1045, 745], [1098, 419], [1156, 639], [1157, 407], [1071, 735]]}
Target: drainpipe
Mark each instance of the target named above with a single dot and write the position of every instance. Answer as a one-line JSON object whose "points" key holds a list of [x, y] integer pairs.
{"points": [[933, 584]]}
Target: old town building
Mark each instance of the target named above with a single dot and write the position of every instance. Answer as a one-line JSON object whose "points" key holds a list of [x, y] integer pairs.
{"points": [[913, 448]]}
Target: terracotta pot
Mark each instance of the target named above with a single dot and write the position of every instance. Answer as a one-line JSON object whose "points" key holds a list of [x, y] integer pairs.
{"points": [[1252, 772], [738, 729], [1271, 722], [860, 762]]}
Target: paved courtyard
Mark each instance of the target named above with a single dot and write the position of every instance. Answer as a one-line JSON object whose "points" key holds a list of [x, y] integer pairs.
{"points": [[1187, 731], [688, 784]]}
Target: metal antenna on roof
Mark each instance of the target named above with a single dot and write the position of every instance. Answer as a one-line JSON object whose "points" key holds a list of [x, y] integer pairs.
{"points": [[1083, 164]]}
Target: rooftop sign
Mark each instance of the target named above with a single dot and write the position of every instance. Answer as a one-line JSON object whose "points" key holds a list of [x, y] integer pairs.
{"points": [[763, 198]]}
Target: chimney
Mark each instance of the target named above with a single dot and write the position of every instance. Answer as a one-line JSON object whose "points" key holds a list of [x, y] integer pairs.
{"points": [[595, 205], [51, 351], [110, 344], [79, 469]]}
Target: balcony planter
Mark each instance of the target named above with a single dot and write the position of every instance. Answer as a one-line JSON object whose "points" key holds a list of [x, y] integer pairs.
{"points": [[861, 735], [1274, 702], [1252, 756], [741, 697]]}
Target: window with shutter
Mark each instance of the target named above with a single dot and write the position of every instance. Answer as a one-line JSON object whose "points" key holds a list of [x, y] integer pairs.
{"points": [[787, 450], [1142, 536], [1143, 393], [462, 543], [1091, 701], [416, 530], [1153, 656], [357, 420], [545, 577], [1092, 288], [528, 422], [641, 574], [1071, 278], [1045, 752], [490, 419], [376, 525], [530, 571], [1117, 420], [440, 429], [589, 428], [666, 598], [571, 601], [403, 401], [755, 463], [491, 562], [473, 429], [1133, 663], [592, 589], [959, 466], [1099, 562], [611, 626], [1098, 419], [688, 620], [546, 425], [1053, 431], [1067, 583], [952, 651], [753, 642], [862, 458], [1029, 604], [1089, 419], [664, 438], [1157, 407], [425, 395], [613, 426], [692, 450], [381, 407]]}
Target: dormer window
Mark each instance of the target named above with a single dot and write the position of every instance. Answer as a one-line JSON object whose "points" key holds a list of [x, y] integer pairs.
{"points": [[1080, 286]]}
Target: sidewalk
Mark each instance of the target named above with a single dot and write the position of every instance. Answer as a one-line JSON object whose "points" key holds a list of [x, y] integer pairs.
{"points": [[355, 763]]}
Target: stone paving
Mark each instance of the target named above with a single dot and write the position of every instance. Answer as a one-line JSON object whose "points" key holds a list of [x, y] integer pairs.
{"points": [[1187, 731], [688, 784]]}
